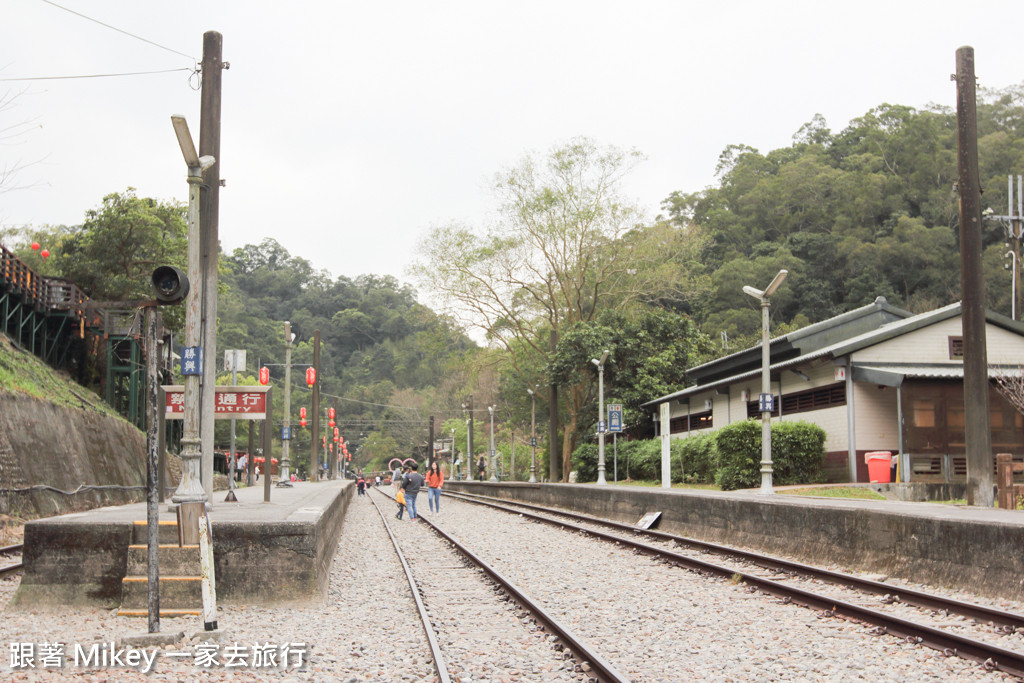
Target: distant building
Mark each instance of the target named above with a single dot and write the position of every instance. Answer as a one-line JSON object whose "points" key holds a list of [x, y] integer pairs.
{"points": [[877, 378]]}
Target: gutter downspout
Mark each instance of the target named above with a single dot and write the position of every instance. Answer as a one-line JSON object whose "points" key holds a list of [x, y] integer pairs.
{"points": [[851, 434]]}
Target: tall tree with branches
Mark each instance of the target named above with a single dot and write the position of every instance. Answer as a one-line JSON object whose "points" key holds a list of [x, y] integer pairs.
{"points": [[567, 245]]}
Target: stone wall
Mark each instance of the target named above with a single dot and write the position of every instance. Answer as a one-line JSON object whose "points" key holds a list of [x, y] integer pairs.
{"points": [[53, 448]]}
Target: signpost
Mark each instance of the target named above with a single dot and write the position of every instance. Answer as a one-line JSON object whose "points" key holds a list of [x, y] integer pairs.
{"points": [[615, 426]]}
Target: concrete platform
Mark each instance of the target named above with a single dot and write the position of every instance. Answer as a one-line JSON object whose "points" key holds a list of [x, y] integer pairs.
{"points": [[265, 553], [969, 548]]}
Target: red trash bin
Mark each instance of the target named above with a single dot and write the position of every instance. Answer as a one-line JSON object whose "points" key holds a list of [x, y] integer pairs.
{"points": [[879, 464]]}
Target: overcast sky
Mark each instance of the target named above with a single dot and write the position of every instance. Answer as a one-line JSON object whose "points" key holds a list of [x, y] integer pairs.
{"points": [[351, 128]]}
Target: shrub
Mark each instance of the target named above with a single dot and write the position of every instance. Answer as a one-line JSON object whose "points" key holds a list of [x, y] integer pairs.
{"points": [[798, 451], [584, 462], [739, 455], [696, 456]]}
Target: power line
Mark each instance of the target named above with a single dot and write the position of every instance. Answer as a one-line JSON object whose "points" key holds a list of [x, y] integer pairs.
{"points": [[114, 28], [65, 78]]}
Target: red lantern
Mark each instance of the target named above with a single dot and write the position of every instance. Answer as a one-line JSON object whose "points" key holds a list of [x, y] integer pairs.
{"points": [[302, 413], [310, 376], [335, 439], [45, 253], [331, 423], [302, 422], [35, 246], [330, 414], [336, 433], [348, 457], [264, 375], [324, 441]]}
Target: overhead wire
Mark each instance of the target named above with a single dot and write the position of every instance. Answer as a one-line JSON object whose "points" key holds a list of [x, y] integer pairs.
{"points": [[65, 78], [114, 28]]}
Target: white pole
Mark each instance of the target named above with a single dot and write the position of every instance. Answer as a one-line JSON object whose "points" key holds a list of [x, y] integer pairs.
{"points": [[666, 447]]}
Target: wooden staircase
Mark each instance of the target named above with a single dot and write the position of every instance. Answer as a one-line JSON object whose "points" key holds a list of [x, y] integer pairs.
{"points": [[180, 579]]}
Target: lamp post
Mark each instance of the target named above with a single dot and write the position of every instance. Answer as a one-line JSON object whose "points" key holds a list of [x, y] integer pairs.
{"points": [[1013, 284], [600, 416], [766, 390], [285, 479], [494, 467], [190, 488], [469, 453], [533, 436]]}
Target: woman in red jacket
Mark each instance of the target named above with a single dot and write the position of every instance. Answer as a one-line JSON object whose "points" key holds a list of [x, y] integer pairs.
{"points": [[434, 481]]}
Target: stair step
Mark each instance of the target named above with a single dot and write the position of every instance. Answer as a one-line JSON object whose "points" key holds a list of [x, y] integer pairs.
{"points": [[167, 532], [177, 592], [172, 560], [169, 613]]}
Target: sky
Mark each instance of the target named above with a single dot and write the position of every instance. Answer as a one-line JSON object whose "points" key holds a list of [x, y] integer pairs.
{"points": [[349, 129]]}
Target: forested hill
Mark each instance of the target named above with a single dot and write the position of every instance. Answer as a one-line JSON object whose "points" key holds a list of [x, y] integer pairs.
{"points": [[868, 211]]}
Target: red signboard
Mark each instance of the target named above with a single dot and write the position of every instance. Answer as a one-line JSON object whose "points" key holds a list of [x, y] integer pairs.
{"points": [[248, 403]]}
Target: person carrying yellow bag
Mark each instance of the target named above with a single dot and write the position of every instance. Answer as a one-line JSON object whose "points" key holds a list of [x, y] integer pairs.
{"points": [[400, 497]]}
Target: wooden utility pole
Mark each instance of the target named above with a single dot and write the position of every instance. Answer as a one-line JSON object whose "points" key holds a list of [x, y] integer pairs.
{"points": [[978, 435], [554, 452], [209, 207], [314, 428]]}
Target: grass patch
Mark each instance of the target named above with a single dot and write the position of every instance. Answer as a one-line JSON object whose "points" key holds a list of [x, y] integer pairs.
{"points": [[23, 373], [859, 492]]}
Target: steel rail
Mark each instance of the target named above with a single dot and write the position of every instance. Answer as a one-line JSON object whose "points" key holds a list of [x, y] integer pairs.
{"points": [[11, 549], [580, 649], [435, 649], [949, 643], [7, 550], [905, 595]]}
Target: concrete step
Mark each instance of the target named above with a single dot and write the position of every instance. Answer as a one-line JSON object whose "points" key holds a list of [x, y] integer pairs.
{"points": [[173, 560], [176, 593], [164, 613], [167, 533]]}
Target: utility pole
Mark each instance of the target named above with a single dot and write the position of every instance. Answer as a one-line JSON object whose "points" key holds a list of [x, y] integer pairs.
{"points": [[284, 479], [209, 209], [430, 446], [314, 453], [470, 456], [1014, 232], [554, 456], [978, 435]]}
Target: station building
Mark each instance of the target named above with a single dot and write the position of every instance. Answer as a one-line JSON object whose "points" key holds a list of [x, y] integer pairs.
{"points": [[877, 378]]}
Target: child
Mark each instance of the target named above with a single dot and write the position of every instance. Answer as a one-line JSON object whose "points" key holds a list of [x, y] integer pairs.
{"points": [[400, 497]]}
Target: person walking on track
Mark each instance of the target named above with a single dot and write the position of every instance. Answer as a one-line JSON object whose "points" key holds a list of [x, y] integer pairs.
{"points": [[435, 479], [411, 484]]}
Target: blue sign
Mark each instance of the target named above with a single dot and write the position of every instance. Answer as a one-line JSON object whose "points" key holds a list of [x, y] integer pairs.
{"points": [[286, 433], [615, 417], [601, 427], [766, 403], [192, 360]]}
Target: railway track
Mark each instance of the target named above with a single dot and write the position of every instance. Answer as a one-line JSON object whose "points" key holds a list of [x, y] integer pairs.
{"points": [[775, 583], [466, 605], [7, 552]]}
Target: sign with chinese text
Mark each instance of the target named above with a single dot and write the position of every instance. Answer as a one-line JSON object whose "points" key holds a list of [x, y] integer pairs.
{"points": [[249, 403], [614, 417], [192, 360], [766, 403]]}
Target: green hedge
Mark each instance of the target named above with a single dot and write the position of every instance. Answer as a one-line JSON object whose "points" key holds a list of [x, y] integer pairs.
{"points": [[729, 457]]}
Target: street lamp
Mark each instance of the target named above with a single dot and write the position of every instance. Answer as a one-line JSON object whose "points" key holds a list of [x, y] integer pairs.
{"points": [[766, 391], [533, 436], [1013, 285], [494, 467], [600, 416], [191, 488]]}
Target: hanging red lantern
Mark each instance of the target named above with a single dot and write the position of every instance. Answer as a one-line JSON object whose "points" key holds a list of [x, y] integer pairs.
{"points": [[35, 246], [302, 413], [336, 433], [335, 439], [330, 414], [45, 253], [324, 441], [264, 375], [331, 423], [302, 422], [311, 376]]}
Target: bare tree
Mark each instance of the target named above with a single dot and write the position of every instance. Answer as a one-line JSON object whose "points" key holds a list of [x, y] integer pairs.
{"points": [[11, 134]]}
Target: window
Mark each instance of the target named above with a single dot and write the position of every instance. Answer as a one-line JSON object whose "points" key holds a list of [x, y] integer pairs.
{"points": [[685, 423], [804, 401], [956, 348], [922, 413]]}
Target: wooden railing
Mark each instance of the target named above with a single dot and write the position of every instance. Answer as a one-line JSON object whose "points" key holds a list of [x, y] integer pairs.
{"points": [[42, 293]]}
